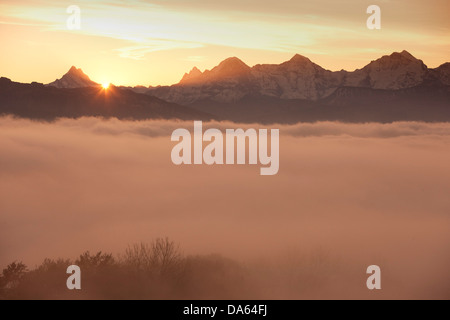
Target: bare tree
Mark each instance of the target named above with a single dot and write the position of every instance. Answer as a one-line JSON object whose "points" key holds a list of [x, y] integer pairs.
{"points": [[98, 260], [162, 257]]}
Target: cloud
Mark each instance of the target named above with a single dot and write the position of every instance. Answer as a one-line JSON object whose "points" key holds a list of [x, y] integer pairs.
{"points": [[164, 128], [286, 26], [366, 193], [138, 52]]}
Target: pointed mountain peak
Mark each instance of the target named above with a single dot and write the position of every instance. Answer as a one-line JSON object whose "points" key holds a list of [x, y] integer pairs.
{"points": [[299, 59], [406, 54], [74, 78], [75, 70], [191, 76]]}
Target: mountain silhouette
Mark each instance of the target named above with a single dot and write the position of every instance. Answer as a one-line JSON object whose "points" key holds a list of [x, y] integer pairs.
{"points": [[74, 78], [394, 87], [298, 78], [37, 101], [192, 77]]}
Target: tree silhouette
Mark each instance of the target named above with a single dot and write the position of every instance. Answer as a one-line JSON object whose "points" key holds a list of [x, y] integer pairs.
{"points": [[99, 260], [157, 270], [11, 277], [162, 257]]}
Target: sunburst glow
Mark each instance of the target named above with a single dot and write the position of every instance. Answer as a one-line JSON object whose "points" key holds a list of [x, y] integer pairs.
{"points": [[105, 86]]}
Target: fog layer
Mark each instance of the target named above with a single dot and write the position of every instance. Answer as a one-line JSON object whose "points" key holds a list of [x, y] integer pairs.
{"points": [[358, 194]]}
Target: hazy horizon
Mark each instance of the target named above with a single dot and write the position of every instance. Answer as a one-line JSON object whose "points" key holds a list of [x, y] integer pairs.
{"points": [[63, 72]]}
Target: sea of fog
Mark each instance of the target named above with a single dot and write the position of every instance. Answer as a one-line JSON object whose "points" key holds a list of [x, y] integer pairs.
{"points": [[352, 194]]}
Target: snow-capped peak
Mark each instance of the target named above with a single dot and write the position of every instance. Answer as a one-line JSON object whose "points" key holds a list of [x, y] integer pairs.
{"points": [[298, 78], [396, 71]]}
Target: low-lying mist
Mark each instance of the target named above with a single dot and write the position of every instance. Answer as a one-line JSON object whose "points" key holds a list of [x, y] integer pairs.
{"points": [[347, 196]]}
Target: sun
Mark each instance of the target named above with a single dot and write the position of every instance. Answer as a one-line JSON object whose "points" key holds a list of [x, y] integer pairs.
{"points": [[105, 86]]}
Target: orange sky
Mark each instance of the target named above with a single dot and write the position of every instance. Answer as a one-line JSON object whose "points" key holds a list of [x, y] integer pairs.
{"points": [[156, 42]]}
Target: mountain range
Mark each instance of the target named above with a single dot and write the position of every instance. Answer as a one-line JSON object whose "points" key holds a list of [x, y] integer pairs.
{"points": [[298, 78], [45, 102], [392, 88]]}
